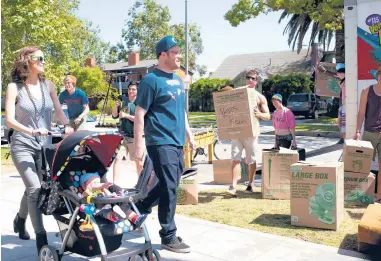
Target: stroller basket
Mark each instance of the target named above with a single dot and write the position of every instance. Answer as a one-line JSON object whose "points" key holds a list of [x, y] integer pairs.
{"points": [[85, 242]]}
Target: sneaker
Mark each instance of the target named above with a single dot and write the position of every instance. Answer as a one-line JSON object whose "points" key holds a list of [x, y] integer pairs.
{"points": [[232, 191], [176, 245], [140, 220], [249, 189]]}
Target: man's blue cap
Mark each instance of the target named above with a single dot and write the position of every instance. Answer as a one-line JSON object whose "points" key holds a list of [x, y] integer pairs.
{"points": [[165, 44], [340, 67], [277, 97]]}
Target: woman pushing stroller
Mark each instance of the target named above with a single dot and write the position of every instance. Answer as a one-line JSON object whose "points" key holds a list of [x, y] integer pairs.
{"points": [[30, 100]]}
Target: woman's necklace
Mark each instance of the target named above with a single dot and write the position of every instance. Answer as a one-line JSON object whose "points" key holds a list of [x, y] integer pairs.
{"points": [[41, 114]]}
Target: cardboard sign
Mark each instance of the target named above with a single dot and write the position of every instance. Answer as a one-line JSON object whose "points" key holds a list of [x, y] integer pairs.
{"points": [[357, 156], [325, 82], [276, 173], [317, 194], [235, 113], [359, 188]]}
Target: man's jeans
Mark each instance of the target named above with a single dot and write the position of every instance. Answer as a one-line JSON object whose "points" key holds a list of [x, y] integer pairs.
{"points": [[168, 163]]}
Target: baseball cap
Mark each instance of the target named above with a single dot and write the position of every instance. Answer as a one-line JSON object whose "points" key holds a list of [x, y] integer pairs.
{"points": [[277, 97], [166, 43], [340, 68]]}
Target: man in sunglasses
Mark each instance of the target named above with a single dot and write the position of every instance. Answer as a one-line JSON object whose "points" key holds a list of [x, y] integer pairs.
{"points": [[261, 111]]}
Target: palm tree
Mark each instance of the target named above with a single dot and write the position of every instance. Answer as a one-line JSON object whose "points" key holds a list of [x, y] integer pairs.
{"points": [[298, 26]]}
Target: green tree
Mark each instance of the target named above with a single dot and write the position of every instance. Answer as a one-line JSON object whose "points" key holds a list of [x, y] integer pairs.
{"points": [[202, 70], [117, 53], [54, 27], [286, 85], [202, 90], [148, 22], [90, 80], [323, 15]]}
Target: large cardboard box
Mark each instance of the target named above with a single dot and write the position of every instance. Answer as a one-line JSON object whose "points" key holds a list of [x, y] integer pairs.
{"points": [[276, 172], [187, 192], [222, 171], [357, 156], [317, 194], [359, 188], [235, 113]]}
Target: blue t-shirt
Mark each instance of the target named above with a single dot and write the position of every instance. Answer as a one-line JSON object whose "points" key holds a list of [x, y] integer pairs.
{"points": [[74, 102], [162, 95]]}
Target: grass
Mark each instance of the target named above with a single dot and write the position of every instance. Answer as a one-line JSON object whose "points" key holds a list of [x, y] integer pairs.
{"points": [[202, 113], [5, 161], [317, 128], [323, 120], [269, 216]]}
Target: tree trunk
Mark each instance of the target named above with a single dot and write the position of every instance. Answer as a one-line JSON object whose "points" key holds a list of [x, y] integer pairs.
{"points": [[340, 45]]}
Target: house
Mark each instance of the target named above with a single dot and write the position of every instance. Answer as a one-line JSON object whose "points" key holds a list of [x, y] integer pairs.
{"points": [[284, 62], [135, 70]]}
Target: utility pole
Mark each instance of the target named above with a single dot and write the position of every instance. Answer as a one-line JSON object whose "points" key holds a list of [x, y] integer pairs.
{"points": [[186, 77]]}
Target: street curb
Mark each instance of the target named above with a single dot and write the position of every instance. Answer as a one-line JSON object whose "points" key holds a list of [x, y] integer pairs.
{"points": [[326, 134]]}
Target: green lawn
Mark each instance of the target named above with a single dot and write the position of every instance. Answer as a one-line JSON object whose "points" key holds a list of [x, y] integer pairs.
{"points": [[316, 128], [250, 211], [5, 161], [200, 113], [323, 120]]}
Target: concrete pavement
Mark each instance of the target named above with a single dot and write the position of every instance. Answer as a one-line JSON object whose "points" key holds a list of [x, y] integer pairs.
{"points": [[209, 241]]}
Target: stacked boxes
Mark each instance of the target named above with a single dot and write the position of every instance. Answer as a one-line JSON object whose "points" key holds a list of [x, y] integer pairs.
{"points": [[359, 183]]}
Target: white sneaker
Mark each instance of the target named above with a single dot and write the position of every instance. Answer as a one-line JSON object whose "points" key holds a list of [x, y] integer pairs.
{"points": [[232, 191]]}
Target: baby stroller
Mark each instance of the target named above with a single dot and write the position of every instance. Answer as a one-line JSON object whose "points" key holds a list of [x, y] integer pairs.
{"points": [[89, 152]]}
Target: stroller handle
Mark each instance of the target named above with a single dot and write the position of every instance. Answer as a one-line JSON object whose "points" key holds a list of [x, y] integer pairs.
{"points": [[50, 133]]}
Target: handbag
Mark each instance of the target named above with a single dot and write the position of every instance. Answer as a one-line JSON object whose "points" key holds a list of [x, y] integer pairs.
{"points": [[49, 201]]}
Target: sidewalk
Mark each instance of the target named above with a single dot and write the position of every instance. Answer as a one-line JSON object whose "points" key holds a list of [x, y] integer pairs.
{"points": [[209, 241]]}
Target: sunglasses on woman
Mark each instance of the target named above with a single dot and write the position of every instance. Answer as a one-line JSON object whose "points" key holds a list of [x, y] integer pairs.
{"points": [[38, 58], [251, 78]]}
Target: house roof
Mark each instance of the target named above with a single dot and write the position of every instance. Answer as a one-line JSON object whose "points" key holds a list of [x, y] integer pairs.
{"points": [[124, 65], [283, 62], [141, 65]]}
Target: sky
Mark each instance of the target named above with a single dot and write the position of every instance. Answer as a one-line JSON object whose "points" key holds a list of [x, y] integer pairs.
{"points": [[220, 39]]}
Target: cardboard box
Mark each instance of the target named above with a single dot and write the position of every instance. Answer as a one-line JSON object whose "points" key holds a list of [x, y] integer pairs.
{"points": [[222, 172], [357, 156], [359, 188], [235, 114], [187, 192], [276, 172], [317, 194], [325, 82]]}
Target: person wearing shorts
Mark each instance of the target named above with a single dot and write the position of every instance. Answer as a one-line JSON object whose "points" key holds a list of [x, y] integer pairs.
{"points": [[77, 103], [250, 144], [126, 115], [370, 110]]}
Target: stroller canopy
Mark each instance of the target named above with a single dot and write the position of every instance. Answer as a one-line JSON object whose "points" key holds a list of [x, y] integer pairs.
{"points": [[104, 146]]}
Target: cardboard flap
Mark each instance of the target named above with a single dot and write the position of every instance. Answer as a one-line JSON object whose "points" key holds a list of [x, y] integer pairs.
{"points": [[358, 143]]}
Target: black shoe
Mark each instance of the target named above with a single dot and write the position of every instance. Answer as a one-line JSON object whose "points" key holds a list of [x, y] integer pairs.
{"points": [[176, 245], [41, 240], [249, 189], [341, 141], [19, 227]]}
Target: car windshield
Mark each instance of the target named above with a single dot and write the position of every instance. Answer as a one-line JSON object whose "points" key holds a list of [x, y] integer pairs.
{"points": [[298, 98]]}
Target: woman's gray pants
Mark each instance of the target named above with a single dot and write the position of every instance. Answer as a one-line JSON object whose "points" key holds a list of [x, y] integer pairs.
{"points": [[28, 163]]}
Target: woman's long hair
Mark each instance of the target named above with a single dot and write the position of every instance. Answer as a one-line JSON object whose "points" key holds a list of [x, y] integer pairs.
{"points": [[21, 70]]}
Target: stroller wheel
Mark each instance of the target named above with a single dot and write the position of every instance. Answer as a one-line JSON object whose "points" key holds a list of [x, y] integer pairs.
{"points": [[156, 256], [49, 253], [138, 258]]}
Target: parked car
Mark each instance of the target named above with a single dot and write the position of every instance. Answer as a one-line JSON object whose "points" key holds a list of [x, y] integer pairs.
{"points": [[4, 131], [307, 105], [89, 125]]}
